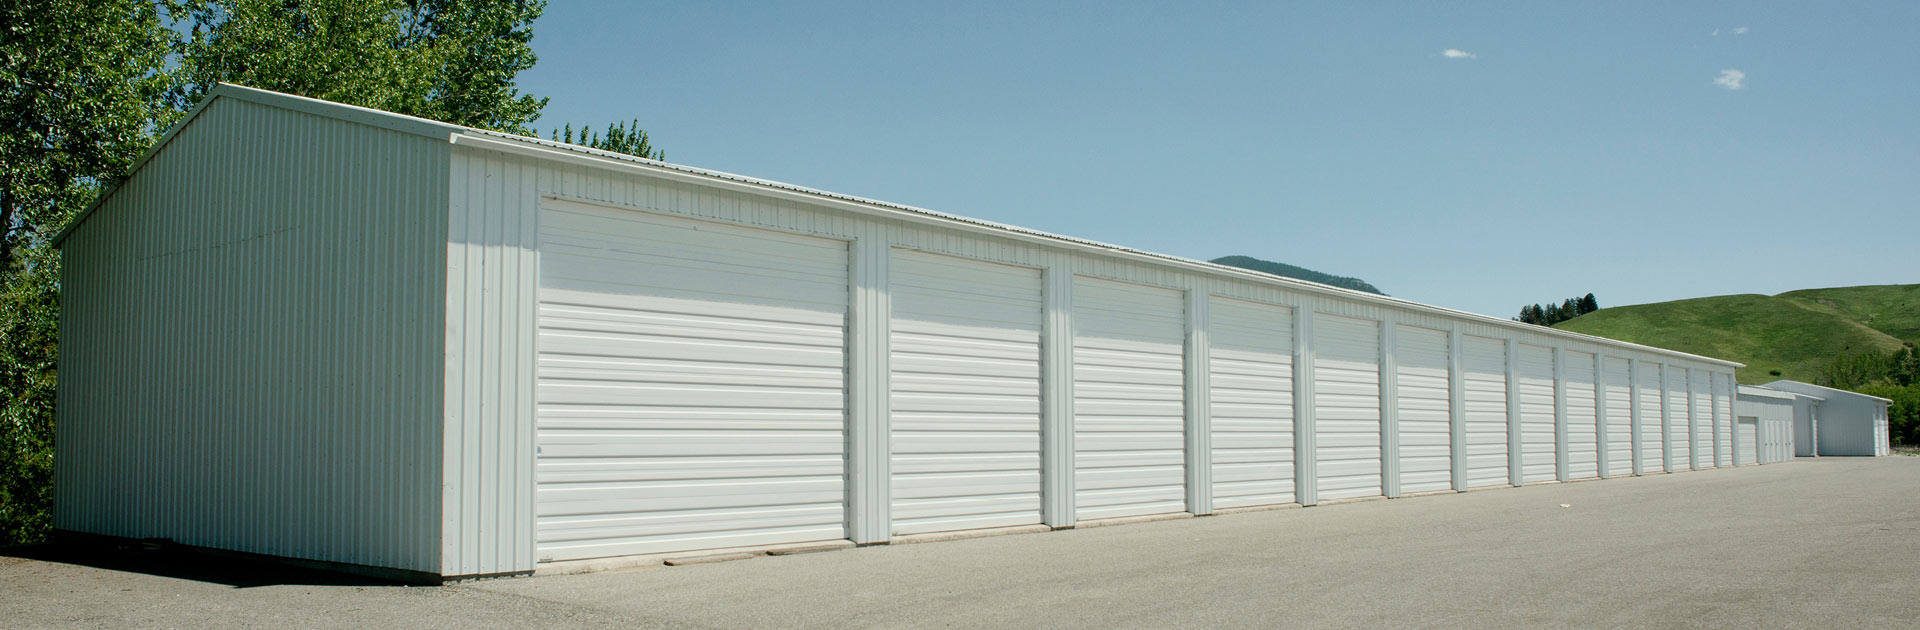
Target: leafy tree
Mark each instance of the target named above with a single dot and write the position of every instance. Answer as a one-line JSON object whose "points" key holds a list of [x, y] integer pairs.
{"points": [[83, 84], [625, 138], [1551, 313], [447, 60]]}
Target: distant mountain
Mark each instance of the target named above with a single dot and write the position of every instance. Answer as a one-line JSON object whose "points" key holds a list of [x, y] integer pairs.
{"points": [[1792, 333], [1299, 273]]}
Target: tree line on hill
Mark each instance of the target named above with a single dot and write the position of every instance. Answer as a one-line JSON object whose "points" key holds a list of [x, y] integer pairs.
{"points": [[1894, 375], [1549, 314], [90, 84]]}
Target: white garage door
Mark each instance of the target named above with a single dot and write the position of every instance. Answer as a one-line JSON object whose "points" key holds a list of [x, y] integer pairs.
{"points": [[1536, 414], [1426, 425], [1485, 382], [1128, 399], [1652, 449], [1619, 377], [1679, 433], [1583, 447], [1723, 419], [690, 385], [1703, 417], [1746, 441], [1346, 400], [1251, 371], [965, 393]]}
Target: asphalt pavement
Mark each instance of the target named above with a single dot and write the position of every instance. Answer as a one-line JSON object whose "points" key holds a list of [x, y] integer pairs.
{"points": [[1832, 542]]}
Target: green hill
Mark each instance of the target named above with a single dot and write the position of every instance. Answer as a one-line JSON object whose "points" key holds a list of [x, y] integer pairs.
{"points": [[1299, 273], [1791, 332]]}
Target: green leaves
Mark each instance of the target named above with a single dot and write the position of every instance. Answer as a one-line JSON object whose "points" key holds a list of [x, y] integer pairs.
{"points": [[449, 60], [625, 138]]}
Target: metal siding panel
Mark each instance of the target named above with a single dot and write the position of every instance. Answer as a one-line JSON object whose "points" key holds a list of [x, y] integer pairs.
{"points": [[1701, 413], [1620, 413], [1346, 375], [1251, 406], [1485, 384], [690, 396], [1425, 420], [1583, 417], [1723, 418], [965, 406], [1129, 413], [1537, 417], [198, 319]]}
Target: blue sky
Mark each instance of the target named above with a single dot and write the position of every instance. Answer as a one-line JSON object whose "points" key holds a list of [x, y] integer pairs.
{"points": [[1563, 148]]}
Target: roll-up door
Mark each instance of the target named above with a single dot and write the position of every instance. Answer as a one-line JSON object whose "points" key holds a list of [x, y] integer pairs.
{"points": [[1583, 448], [1346, 390], [1620, 437], [1746, 441], [1703, 417], [1652, 441], [1485, 363], [1251, 372], [1128, 399], [1679, 431], [1536, 414], [1426, 425], [690, 385], [964, 393]]}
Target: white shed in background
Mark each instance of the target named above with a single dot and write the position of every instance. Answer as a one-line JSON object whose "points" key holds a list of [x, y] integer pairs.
{"points": [[1764, 430], [1839, 422], [323, 332]]}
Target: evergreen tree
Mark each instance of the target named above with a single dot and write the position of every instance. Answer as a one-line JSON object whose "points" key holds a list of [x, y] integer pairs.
{"points": [[1589, 304]]}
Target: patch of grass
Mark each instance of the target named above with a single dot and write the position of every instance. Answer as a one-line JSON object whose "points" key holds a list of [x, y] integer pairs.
{"points": [[1764, 332], [1889, 308]]}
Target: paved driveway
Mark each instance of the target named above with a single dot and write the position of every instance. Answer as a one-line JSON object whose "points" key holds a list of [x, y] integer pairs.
{"points": [[1833, 542]]}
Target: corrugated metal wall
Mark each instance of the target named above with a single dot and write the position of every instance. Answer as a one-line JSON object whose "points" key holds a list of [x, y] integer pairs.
{"points": [[1140, 410], [1119, 423], [251, 349]]}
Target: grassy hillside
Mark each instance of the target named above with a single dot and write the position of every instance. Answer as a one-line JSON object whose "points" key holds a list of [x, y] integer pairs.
{"points": [[1289, 271], [1889, 308], [1793, 333]]}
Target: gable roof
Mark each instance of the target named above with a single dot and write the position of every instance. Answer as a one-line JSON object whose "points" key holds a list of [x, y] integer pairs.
{"points": [[1820, 391], [548, 149]]}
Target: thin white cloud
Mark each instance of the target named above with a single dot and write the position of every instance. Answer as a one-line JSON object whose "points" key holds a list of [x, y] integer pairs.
{"points": [[1731, 79], [1455, 53], [1740, 31], [1716, 33]]}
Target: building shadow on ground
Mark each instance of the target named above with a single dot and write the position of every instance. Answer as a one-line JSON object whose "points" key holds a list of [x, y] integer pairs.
{"points": [[167, 560]]}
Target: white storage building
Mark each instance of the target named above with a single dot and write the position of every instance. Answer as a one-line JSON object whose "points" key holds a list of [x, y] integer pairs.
{"points": [[317, 331], [1763, 425], [1838, 422]]}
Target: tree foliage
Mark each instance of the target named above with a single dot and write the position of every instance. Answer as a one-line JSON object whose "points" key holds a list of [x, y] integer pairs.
{"points": [[447, 60], [83, 85], [625, 138], [1550, 313]]}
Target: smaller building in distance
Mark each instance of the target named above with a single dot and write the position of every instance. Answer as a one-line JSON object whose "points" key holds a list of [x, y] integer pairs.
{"points": [[1763, 424], [1837, 421]]}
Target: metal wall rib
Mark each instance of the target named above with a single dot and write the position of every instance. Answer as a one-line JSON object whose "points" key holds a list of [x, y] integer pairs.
{"points": [[251, 343]]}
